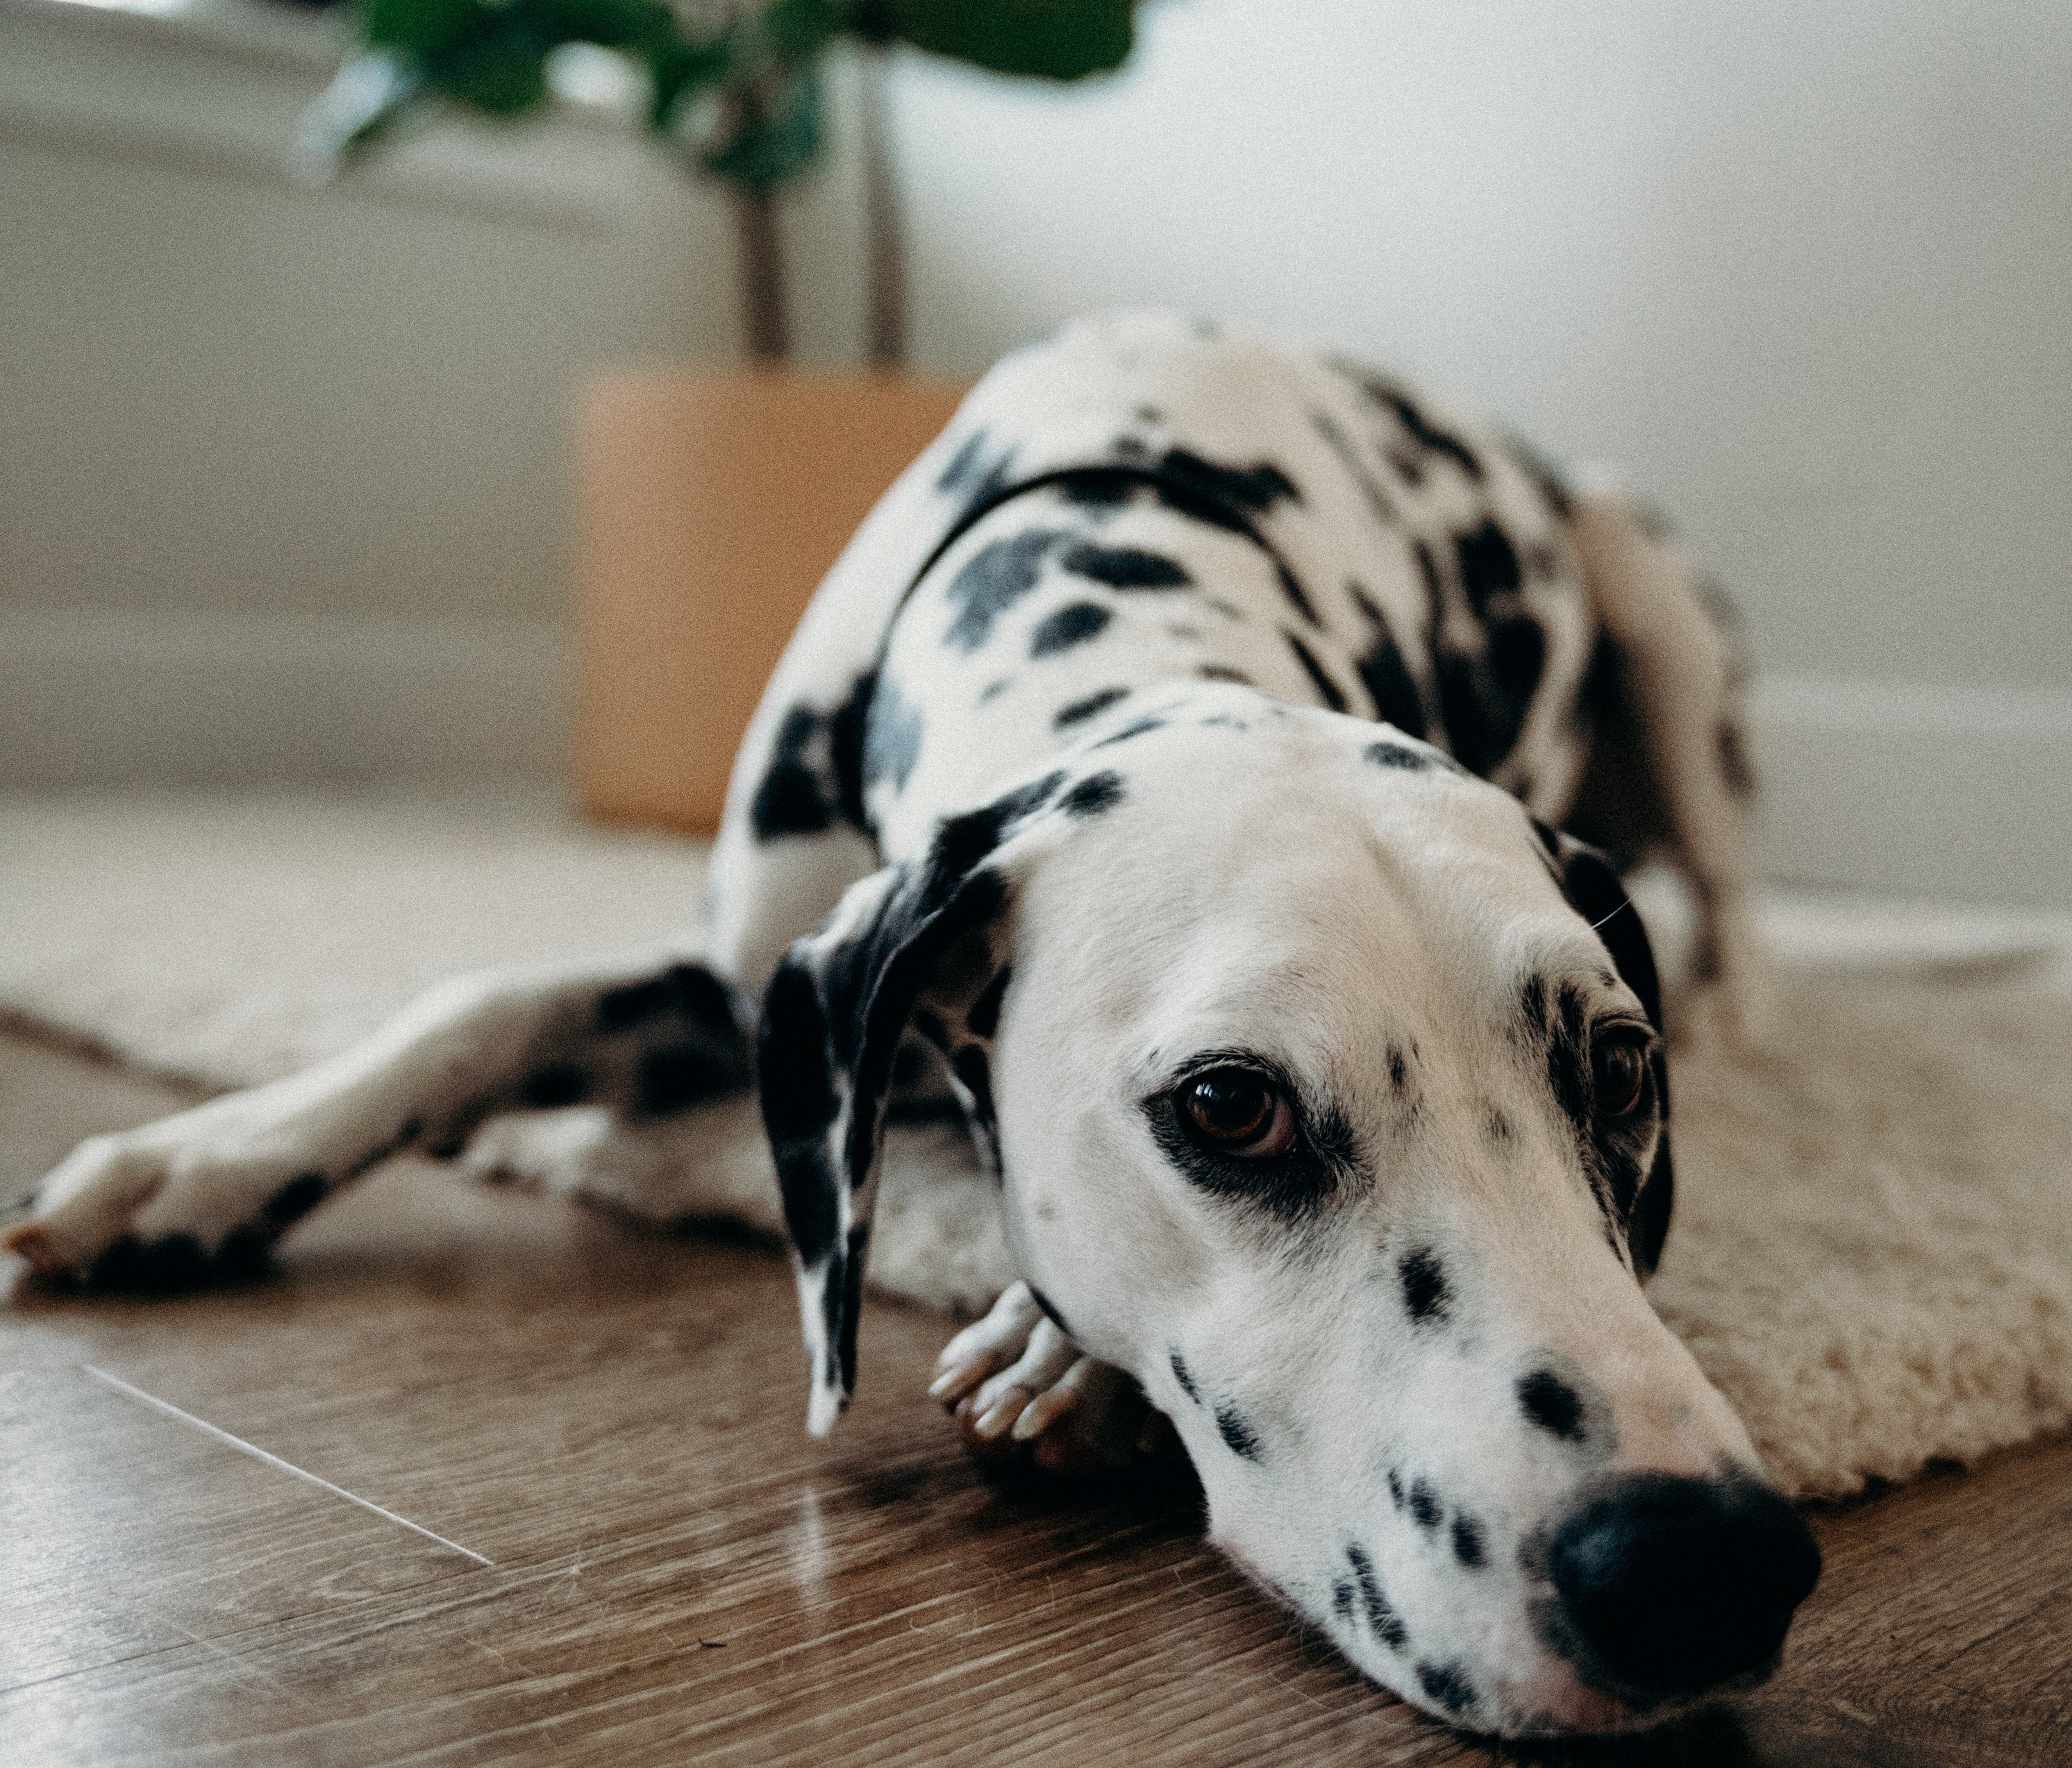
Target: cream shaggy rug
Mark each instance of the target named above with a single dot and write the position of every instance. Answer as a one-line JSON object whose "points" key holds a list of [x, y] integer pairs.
{"points": [[1873, 1250]]}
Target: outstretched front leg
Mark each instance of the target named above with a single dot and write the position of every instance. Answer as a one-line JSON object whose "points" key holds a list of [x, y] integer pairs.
{"points": [[203, 1193]]}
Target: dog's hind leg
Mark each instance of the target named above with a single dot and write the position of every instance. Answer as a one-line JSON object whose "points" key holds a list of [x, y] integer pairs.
{"points": [[1674, 696], [199, 1194]]}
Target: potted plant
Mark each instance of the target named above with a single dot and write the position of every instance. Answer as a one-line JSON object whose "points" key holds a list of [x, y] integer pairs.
{"points": [[709, 504]]}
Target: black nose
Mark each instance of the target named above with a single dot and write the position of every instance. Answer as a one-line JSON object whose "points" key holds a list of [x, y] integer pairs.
{"points": [[1674, 1585]]}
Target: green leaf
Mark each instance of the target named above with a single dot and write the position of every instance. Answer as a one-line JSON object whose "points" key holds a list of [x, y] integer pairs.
{"points": [[1050, 39], [416, 26], [797, 30], [502, 71], [611, 24], [777, 141], [679, 71]]}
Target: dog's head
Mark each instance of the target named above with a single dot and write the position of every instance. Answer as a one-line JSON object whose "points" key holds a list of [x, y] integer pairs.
{"points": [[1330, 1104]]}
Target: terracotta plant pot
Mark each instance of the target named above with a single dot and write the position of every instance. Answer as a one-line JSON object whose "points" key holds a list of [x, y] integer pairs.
{"points": [[710, 506]]}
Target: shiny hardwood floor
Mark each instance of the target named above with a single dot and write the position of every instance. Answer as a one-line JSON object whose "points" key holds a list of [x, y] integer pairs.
{"points": [[603, 1536]]}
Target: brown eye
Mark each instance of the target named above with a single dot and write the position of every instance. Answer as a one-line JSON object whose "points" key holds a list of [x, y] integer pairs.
{"points": [[1234, 1111], [1618, 1074]]}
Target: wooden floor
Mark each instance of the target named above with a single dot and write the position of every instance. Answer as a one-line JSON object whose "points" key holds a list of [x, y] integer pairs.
{"points": [[607, 1538]]}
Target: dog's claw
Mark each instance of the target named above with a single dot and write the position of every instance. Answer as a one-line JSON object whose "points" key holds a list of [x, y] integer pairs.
{"points": [[1002, 1415], [1018, 1387], [956, 1380]]}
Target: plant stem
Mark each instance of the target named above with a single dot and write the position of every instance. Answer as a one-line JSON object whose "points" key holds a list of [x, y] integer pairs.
{"points": [[885, 242], [765, 324]]}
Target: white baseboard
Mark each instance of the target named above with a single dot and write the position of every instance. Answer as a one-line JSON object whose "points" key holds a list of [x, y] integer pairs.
{"points": [[118, 698], [1960, 794], [1956, 794]]}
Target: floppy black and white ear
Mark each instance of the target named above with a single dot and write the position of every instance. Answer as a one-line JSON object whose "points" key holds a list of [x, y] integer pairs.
{"points": [[833, 1018], [1594, 891]]}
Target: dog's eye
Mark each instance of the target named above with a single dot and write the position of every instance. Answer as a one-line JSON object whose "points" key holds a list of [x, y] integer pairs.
{"points": [[1618, 1074], [1234, 1111]]}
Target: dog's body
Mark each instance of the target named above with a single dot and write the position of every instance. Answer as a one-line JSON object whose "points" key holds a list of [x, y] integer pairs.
{"points": [[1325, 1080]]}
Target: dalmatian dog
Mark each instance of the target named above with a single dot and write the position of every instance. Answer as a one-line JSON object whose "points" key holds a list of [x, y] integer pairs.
{"points": [[1188, 759]]}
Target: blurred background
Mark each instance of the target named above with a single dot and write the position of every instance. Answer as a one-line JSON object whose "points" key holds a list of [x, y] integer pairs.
{"points": [[286, 469]]}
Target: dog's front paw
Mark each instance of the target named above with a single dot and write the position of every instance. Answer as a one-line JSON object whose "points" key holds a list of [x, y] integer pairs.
{"points": [[163, 1207], [1017, 1387]]}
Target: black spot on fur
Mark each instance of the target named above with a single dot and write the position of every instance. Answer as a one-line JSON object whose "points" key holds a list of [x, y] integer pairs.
{"points": [[684, 991], [847, 726], [1424, 1510], [1388, 1625], [1256, 488], [1220, 671], [984, 1018], [704, 1000], [1423, 1280], [167, 1266], [1397, 755], [992, 690], [1136, 727], [789, 801], [1126, 568], [1497, 1128], [1297, 597], [1446, 1685], [1093, 795], [1468, 1547], [296, 1199], [1326, 688], [1072, 624], [798, 1109], [1342, 1602], [1080, 710], [971, 478], [991, 581], [1517, 654], [999, 818], [1050, 1310], [1396, 1494], [562, 1083], [1187, 1380], [1552, 1404], [892, 736], [1237, 1434], [635, 1003], [1488, 566], [1736, 769], [674, 1077], [1545, 480], [1099, 488], [1424, 438], [1388, 683]]}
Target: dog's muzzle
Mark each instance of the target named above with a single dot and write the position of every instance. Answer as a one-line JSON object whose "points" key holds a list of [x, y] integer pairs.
{"points": [[1669, 1586]]}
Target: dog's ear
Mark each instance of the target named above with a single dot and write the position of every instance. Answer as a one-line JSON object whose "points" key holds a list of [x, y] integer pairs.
{"points": [[833, 1018], [1594, 891]]}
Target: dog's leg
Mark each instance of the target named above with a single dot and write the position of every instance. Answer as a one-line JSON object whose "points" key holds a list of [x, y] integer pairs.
{"points": [[1675, 672], [200, 1193], [1015, 1382]]}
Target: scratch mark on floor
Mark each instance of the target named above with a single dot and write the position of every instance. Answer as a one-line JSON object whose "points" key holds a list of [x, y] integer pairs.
{"points": [[257, 1453]]}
